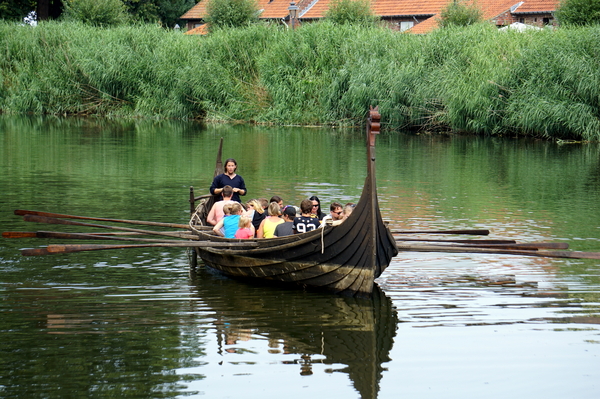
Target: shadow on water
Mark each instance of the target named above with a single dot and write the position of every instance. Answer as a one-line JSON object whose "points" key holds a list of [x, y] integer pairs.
{"points": [[357, 333]]}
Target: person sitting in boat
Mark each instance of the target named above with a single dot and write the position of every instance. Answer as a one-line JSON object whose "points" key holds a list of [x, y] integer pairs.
{"points": [[216, 212], [267, 226], [245, 229], [348, 208], [335, 214], [306, 221], [278, 199], [226, 212], [229, 178], [287, 227], [229, 222], [264, 203], [316, 207], [255, 212]]}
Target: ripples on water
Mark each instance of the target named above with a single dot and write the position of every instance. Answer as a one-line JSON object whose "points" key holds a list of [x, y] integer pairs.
{"points": [[136, 323]]}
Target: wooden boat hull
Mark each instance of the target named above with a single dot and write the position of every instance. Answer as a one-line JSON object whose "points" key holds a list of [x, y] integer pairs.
{"points": [[345, 259]]}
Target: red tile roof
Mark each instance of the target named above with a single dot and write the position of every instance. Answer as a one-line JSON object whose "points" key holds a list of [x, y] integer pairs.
{"points": [[534, 6], [200, 30], [314, 9], [273, 9], [491, 9], [196, 12]]}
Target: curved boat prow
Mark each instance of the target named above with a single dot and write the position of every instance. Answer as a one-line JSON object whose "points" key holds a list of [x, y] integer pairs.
{"points": [[345, 259]]}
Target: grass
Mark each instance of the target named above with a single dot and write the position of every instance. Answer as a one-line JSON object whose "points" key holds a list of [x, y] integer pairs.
{"points": [[474, 80]]}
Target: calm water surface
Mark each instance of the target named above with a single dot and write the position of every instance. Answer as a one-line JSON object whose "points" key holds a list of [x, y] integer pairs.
{"points": [[138, 323]]}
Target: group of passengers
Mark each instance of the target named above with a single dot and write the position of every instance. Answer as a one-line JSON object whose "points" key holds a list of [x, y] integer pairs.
{"points": [[261, 218]]}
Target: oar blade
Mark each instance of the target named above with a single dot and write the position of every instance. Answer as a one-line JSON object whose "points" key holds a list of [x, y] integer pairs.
{"points": [[19, 234]]}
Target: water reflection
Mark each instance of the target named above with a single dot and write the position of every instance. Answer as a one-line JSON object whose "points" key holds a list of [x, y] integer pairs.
{"points": [[351, 336], [490, 290]]}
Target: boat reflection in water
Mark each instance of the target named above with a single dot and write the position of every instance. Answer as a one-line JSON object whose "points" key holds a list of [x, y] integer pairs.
{"points": [[319, 328]]}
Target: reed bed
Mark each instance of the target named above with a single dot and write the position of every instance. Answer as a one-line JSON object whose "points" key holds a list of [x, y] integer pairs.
{"points": [[473, 80]]}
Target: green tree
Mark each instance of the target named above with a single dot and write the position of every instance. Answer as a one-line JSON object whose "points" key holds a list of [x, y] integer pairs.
{"points": [[458, 13], [169, 11], [351, 12], [231, 13], [16, 9], [96, 12], [578, 12]]}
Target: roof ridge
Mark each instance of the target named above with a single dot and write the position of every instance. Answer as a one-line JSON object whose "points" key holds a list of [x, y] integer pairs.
{"points": [[308, 7]]}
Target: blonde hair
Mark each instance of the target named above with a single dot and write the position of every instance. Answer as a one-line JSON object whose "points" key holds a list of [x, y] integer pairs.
{"points": [[227, 208], [244, 222], [236, 208], [254, 204], [274, 209]]}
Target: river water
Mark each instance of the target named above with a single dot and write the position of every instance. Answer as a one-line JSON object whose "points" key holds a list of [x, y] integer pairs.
{"points": [[138, 323]]}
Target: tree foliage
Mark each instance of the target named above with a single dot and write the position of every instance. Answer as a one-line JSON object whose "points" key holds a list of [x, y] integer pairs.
{"points": [[165, 12], [578, 12], [351, 12], [231, 13], [96, 12], [459, 13], [16, 9]]}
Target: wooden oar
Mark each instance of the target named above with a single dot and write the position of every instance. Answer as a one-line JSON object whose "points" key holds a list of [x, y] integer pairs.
{"points": [[70, 248], [22, 212], [465, 232], [526, 245], [468, 249], [49, 220], [458, 241], [79, 236], [19, 234]]}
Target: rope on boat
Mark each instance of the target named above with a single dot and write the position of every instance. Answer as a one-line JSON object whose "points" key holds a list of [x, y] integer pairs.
{"points": [[196, 219]]}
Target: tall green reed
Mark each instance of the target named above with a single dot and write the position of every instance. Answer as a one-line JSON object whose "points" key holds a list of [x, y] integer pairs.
{"points": [[474, 80]]}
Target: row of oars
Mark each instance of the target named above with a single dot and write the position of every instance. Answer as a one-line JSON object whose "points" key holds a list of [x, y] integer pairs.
{"points": [[183, 239], [188, 239]]}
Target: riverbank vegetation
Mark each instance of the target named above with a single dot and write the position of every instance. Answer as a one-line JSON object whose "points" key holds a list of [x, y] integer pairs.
{"points": [[469, 80]]}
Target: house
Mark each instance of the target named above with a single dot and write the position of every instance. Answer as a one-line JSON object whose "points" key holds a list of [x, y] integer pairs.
{"points": [[276, 10], [414, 16]]}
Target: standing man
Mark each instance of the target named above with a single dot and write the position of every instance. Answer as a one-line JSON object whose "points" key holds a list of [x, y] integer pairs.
{"points": [[229, 178]]}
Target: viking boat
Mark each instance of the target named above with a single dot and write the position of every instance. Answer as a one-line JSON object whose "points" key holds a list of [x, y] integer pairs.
{"points": [[344, 258]]}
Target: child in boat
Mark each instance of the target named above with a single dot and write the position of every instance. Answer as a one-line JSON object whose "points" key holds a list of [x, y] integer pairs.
{"points": [[245, 228], [287, 227], [229, 222], [267, 226], [306, 222]]}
